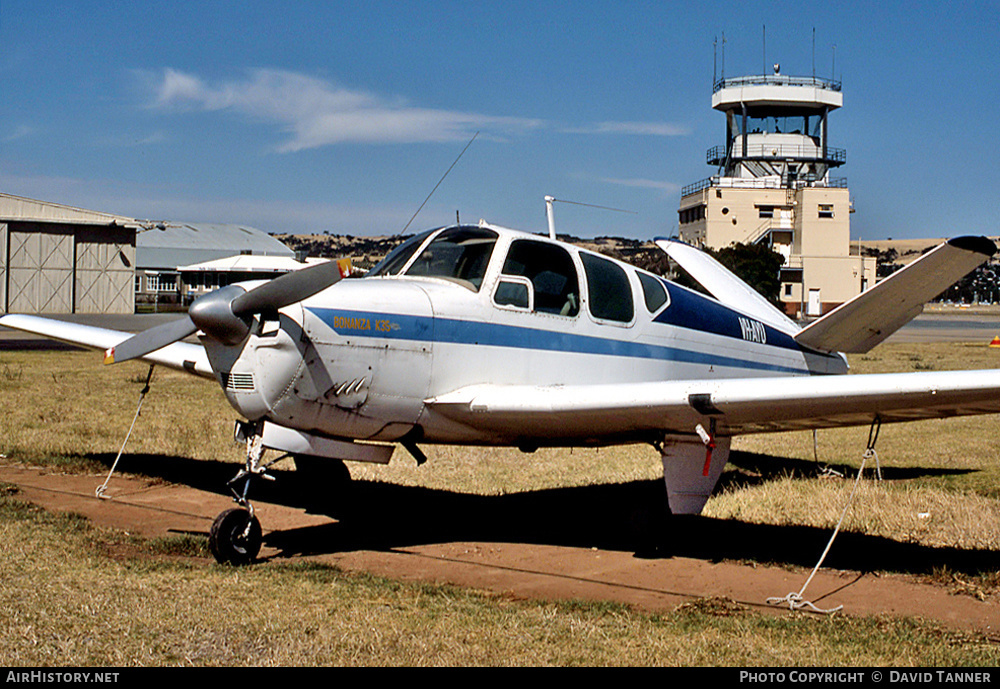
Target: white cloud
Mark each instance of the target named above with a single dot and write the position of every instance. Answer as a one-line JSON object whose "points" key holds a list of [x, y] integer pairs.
{"points": [[319, 113], [22, 131], [632, 129], [666, 187], [315, 112]]}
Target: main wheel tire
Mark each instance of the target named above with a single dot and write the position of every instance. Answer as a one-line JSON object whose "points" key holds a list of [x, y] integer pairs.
{"points": [[325, 485], [235, 537]]}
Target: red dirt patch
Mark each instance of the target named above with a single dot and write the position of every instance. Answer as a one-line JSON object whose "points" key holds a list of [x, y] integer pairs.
{"points": [[520, 570]]}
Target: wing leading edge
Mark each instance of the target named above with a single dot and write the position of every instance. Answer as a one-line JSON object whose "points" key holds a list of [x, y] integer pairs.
{"points": [[738, 406], [182, 356]]}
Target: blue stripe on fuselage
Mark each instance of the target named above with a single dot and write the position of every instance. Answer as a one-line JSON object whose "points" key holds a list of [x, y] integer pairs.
{"points": [[693, 311], [455, 331]]}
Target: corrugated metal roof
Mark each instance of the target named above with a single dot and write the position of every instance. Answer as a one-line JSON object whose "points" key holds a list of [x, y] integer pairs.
{"points": [[159, 245], [19, 208], [251, 264], [181, 244]]}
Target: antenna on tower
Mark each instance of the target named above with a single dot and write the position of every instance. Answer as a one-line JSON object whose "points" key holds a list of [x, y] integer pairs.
{"points": [[715, 58], [814, 52], [723, 55], [763, 49]]}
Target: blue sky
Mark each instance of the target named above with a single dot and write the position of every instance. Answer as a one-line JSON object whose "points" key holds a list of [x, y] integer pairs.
{"points": [[342, 116]]}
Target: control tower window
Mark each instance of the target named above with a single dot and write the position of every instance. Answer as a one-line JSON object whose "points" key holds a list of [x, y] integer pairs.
{"points": [[764, 121], [692, 214]]}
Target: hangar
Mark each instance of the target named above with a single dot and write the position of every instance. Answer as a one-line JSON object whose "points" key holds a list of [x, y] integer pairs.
{"points": [[60, 259], [164, 247], [57, 259]]}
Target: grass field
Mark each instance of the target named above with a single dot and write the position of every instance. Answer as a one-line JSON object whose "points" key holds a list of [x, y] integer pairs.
{"points": [[76, 595]]}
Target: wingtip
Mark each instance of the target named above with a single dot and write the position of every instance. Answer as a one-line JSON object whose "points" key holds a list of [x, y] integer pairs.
{"points": [[109, 356], [982, 245]]}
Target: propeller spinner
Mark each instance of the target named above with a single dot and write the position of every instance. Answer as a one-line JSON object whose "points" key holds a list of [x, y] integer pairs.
{"points": [[225, 314]]}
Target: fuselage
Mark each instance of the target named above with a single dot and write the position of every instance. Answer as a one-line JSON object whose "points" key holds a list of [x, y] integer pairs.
{"points": [[474, 305]]}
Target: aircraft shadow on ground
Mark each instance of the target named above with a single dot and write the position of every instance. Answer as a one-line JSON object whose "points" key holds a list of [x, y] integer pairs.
{"points": [[761, 468], [627, 517]]}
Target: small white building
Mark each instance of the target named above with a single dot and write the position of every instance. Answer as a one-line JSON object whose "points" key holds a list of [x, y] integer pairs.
{"points": [[200, 278], [164, 247]]}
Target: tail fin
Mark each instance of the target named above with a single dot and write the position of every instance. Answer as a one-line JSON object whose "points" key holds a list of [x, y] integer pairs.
{"points": [[863, 322]]}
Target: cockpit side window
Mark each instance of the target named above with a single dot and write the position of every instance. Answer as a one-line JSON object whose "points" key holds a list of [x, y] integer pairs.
{"points": [[608, 288], [551, 272], [396, 259], [459, 254]]}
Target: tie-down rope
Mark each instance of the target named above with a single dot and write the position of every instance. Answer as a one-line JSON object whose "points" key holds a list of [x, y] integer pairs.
{"points": [[142, 395], [795, 600]]}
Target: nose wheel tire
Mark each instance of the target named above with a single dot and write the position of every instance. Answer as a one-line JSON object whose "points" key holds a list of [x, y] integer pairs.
{"points": [[235, 537]]}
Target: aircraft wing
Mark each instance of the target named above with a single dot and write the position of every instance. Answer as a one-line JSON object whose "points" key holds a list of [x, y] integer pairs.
{"points": [[738, 406], [182, 356]]}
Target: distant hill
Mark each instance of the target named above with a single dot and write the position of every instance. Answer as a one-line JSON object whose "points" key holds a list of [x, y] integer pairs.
{"points": [[891, 255], [367, 251]]}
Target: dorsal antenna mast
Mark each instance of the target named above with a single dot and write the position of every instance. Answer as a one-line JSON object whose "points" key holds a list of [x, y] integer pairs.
{"points": [[550, 214], [403, 231]]}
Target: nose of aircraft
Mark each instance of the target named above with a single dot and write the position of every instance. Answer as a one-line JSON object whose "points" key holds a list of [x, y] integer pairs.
{"points": [[224, 315]]}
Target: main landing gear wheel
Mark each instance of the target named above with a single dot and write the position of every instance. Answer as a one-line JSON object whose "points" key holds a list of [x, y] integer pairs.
{"points": [[324, 485], [235, 537]]}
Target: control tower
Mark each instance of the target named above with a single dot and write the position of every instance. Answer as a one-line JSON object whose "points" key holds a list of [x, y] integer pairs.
{"points": [[774, 184]]}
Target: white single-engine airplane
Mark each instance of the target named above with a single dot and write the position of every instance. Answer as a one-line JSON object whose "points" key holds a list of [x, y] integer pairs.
{"points": [[481, 335]]}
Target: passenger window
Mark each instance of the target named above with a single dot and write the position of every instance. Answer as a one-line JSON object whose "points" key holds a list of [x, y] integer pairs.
{"points": [[551, 273], [459, 254], [609, 290], [653, 291]]}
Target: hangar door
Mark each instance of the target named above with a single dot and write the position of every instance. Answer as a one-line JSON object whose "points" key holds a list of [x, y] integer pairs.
{"points": [[3, 267], [40, 269], [105, 271]]}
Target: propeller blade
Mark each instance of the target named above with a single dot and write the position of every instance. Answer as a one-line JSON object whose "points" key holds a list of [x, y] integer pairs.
{"points": [[224, 316], [291, 287], [150, 340]]}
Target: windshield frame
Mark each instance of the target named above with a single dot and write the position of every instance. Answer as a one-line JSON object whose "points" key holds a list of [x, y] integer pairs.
{"points": [[398, 259]]}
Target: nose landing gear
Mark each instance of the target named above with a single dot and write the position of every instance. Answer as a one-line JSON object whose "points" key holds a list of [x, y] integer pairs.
{"points": [[236, 536]]}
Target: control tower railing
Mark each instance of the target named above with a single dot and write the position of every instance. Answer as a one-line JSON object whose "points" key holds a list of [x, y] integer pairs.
{"points": [[776, 80], [717, 155], [773, 182]]}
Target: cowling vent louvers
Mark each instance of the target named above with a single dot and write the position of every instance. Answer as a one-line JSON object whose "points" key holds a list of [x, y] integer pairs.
{"points": [[238, 381]]}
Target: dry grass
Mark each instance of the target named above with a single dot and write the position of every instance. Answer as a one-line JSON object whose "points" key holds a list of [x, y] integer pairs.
{"points": [[925, 516], [67, 602], [63, 407]]}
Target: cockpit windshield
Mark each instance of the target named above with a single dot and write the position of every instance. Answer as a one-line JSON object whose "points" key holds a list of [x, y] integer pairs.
{"points": [[396, 259], [459, 254]]}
